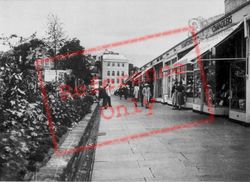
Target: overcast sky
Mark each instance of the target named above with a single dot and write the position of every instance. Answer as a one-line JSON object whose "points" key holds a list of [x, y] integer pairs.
{"points": [[97, 22]]}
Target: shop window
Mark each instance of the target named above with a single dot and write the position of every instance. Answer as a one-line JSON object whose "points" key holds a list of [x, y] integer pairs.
{"points": [[189, 85], [238, 86], [197, 86]]}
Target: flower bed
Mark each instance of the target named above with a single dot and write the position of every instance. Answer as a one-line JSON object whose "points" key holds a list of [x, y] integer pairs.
{"points": [[24, 134]]}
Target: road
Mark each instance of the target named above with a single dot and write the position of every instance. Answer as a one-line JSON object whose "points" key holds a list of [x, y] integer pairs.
{"points": [[217, 151]]}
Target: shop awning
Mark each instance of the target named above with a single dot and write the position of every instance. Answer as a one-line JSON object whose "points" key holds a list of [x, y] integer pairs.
{"points": [[134, 75], [206, 45], [142, 73]]}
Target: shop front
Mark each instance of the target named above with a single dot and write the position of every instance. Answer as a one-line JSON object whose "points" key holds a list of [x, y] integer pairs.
{"points": [[184, 73], [219, 53], [158, 76], [168, 79]]}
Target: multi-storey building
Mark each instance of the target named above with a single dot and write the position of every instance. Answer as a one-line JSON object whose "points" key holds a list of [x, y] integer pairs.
{"points": [[115, 68]]}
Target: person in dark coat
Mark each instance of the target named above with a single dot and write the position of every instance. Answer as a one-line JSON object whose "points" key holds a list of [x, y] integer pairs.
{"points": [[125, 91], [174, 95], [103, 95], [140, 94], [120, 92], [180, 95]]}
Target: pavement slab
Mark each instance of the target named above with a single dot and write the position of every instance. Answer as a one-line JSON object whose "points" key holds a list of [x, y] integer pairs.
{"points": [[218, 151]]}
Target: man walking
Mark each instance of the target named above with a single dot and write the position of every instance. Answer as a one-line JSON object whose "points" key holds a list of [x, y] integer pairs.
{"points": [[140, 94]]}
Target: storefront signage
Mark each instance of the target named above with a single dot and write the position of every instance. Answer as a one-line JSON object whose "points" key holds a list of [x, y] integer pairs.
{"points": [[222, 24]]}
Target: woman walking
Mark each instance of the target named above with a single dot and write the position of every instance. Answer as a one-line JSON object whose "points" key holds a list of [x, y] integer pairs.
{"points": [[180, 95], [147, 94]]}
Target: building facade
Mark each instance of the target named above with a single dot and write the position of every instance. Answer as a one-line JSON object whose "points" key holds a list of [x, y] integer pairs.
{"points": [[115, 69], [216, 81]]}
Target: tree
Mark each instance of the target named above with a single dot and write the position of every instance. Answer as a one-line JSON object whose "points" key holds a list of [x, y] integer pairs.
{"points": [[22, 51], [55, 33], [78, 63]]}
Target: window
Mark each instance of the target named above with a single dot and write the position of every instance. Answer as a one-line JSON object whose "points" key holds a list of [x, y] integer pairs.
{"points": [[113, 81], [108, 64], [118, 73], [117, 80], [108, 80], [122, 73], [122, 64], [113, 64], [108, 73], [118, 64], [113, 73]]}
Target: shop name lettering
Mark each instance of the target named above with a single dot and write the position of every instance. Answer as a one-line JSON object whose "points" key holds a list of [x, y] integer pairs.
{"points": [[222, 24]]}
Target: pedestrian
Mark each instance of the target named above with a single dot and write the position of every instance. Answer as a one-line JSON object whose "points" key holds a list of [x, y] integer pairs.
{"points": [[121, 91], [174, 95], [125, 92], [180, 95], [103, 95], [147, 94], [136, 94], [140, 94], [108, 95]]}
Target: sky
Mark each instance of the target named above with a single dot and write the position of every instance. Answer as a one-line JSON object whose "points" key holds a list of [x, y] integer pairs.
{"points": [[98, 22]]}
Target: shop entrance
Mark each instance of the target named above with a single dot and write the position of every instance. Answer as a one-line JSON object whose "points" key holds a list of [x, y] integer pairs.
{"points": [[237, 103]]}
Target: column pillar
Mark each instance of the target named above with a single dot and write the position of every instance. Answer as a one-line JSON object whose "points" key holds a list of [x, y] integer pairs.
{"points": [[248, 74]]}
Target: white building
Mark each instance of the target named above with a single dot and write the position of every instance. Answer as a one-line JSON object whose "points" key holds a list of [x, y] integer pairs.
{"points": [[115, 68]]}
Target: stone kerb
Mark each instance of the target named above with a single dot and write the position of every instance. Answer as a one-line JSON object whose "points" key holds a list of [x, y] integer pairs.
{"points": [[65, 168]]}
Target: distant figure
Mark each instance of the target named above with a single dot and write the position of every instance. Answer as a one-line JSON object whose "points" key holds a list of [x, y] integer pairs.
{"points": [[120, 92], [147, 94], [125, 92], [103, 95], [174, 95], [180, 95], [108, 96], [136, 94], [140, 94]]}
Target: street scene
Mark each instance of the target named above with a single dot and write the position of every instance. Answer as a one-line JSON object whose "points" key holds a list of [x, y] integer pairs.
{"points": [[140, 90]]}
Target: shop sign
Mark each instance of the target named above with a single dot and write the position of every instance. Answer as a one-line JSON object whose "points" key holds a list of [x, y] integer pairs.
{"points": [[222, 24]]}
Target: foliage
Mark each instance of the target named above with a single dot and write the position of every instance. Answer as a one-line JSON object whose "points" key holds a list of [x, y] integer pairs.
{"points": [[78, 63], [24, 134]]}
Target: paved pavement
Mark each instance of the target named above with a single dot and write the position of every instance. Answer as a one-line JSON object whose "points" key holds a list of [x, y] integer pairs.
{"points": [[217, 151]]}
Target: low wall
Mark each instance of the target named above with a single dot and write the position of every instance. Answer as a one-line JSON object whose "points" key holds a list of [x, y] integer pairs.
{"points": [[76, 166]]}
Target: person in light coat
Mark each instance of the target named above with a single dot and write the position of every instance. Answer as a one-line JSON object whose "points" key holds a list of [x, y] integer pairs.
{"points": [[136, 94], [147, 94], [108, 96]]}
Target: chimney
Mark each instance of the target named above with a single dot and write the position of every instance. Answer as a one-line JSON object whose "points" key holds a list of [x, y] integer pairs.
{"points": [[233, 4]]}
